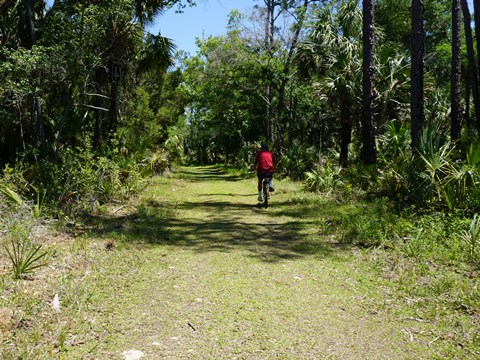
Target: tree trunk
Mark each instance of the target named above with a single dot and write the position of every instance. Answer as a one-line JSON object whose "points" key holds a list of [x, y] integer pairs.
{"points": [[416, 102], [345, 132], [35, 102], [97, 131], [472, 66], [271, 18], [476, 12], [455, 130], [286, 71], [99, 114], [115, 75], [369, 152], [270, 127], [30, 17], [268, 46], [40, 124], [468, 119]]}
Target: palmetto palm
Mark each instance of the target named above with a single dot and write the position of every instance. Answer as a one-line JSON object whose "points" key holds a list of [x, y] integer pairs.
{"points": [[145, 11], [16, 22], [125, 49], [333, 55]]}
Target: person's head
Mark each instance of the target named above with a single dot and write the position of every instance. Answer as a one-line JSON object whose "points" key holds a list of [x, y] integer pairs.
{"points": [[264, 147]]}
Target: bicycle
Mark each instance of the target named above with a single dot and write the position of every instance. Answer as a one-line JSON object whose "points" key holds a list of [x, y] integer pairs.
{"points": [[266, 178]]}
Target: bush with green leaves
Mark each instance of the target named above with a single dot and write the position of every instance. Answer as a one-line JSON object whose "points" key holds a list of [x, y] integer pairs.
{"points": [[431, 237], [25, 257], [371, 225], [325, 177], [471, 238], [438, 175], [158, 162], [246, 156], [18, 226], [77, 181], [296, 160], [81, 181], [175, 148], [16, 181], [394, 142], [394, 160], [450, 176]]}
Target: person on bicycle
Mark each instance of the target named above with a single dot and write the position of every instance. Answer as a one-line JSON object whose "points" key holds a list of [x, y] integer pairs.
{"points": [[265, 166]]}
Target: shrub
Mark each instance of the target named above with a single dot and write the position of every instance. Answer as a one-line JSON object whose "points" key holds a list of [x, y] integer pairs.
{"points": [[19, 224], [297, 160], [175, 148], [25, 257], [369, 225], [325, 177], [158, 162], [471, 237], [80, 181]]}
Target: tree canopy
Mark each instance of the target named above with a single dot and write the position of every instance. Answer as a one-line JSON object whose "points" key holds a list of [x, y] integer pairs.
{"points": [[86, 75]]}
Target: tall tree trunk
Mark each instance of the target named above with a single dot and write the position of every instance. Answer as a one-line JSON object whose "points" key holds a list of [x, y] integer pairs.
{"points": [[270, 127], [30, 17], [270, 8], [40, 124], [271, 17], [455, 130], [345, 132], [468, 119], [476, 12], [97, 131], [416, 102], [286, 73], [369, 152], [36, 103], [115, 76], [472, 65], [99, 114]]}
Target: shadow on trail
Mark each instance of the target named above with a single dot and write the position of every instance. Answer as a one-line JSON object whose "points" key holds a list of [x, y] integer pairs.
{"points": [[223, 228], [252, 195], [217, 205], [209, 173]]}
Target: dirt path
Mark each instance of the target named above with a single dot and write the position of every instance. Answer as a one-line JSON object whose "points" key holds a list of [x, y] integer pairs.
{"points": [[211, 276]]}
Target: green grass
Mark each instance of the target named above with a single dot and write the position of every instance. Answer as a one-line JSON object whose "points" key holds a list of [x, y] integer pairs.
{"points": [[194, 269]]}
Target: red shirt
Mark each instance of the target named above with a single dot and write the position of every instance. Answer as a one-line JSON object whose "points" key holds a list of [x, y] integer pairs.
{"points": [[265, 161]]}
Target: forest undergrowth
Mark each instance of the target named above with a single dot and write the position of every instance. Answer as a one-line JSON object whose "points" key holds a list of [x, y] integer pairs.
{"points": [[192, 268]]}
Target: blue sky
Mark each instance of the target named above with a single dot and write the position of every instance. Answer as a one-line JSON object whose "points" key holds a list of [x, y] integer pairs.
{"points": [[209, 17]]}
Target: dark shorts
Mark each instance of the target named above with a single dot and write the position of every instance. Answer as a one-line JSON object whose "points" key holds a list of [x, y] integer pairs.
{"points": [[262, 174]]}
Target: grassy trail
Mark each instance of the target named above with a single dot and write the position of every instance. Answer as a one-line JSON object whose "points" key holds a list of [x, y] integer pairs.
{"points": [[211, 276], [195, 270]]}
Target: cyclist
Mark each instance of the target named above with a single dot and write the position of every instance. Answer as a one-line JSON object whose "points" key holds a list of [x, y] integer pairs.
{"points": [[265, 165]]}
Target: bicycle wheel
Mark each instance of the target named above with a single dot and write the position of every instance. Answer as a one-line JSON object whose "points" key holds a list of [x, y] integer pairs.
{"points": [[265, 192]]}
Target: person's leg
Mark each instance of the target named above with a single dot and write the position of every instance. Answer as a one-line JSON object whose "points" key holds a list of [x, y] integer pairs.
{"points": [[270, 184], [259, 187]]}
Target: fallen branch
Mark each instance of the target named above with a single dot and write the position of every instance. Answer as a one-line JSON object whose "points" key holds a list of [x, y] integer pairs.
{"points": [[190, 325]]}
